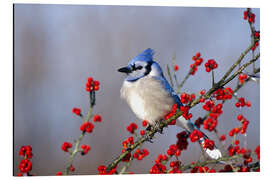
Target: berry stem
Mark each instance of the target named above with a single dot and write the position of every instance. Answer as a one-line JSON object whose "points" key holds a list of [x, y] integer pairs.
{"points": [[213, 78], [184, 80], [170, 76]]}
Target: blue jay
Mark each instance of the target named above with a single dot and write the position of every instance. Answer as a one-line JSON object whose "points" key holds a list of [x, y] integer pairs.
{"points": [[151, 97]]}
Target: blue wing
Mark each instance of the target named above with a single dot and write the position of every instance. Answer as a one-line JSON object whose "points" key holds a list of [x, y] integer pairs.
{"points": [[169, 89]]}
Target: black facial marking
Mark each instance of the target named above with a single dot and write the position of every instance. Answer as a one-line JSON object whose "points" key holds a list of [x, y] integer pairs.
{"points": [[148, 68], [134, 68]]}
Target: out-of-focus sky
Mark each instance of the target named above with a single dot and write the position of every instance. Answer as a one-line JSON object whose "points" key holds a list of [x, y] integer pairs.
{"points": [[58, 46]]}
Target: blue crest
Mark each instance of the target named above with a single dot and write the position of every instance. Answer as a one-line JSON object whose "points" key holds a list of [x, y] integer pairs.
{"points": [[146, 55]]}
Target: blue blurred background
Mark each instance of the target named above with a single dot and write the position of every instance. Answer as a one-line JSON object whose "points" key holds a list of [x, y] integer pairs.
{"points": [[56, 47]]}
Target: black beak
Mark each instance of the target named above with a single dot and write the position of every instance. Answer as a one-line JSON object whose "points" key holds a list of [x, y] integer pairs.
{"points": [[125, 70]]}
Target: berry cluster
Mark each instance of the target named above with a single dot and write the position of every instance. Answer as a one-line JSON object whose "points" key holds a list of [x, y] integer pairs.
{"points": [[186, 114], [216, 111], [198, 60], [210, 65], [244, 122], [172, 113], [257, 151], [161, 158], [132, 127], [127, 142], [257, 34], [208, 144], [195, 135], [241, 129], [158, 168], [87, 127], [77, 111], [210, 124], [26, 151], [182, 142], [97, 118], [186, 98], [66, 146], [242, 78], [85, 149], [173, 150], [92, 85], [175, 167], [248, 15], [140, 154], [256, 44], [223, 93], [198, 122], [241, 102], [202, 169], [25, 165], [208, 105], [235, 149], [102, 170]]}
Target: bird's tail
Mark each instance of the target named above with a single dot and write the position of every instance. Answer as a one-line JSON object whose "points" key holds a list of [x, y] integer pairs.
{"points": [[214, 152]]}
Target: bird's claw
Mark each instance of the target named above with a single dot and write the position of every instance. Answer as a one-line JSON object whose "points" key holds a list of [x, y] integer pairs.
{"points": [[158, 128]]}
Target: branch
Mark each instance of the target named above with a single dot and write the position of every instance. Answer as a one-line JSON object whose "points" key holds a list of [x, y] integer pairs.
{"points": [[78, 141], [163, 124]]}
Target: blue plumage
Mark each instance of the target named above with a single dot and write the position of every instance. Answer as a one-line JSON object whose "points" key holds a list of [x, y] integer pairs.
{"points": [[146, 55], [169, 89]]}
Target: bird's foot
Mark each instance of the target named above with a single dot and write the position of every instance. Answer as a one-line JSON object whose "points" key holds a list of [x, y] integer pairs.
{"points": [[147, 136], [149, 127], [158, 128]]}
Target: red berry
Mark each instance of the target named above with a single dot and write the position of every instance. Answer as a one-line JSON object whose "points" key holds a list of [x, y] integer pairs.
{"points": [[65, 146], [176, 67], [239, 117], [72, 168], [77, 111], [87, 127], [132, 127], [198, 54], [202, 92], [85, 149], [97, 118], [144, 123], [59, 173], [236, 142], [222, 137]]}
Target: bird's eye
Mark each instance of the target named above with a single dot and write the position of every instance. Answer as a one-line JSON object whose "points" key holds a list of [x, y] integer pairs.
{"points": [[139, 67]]}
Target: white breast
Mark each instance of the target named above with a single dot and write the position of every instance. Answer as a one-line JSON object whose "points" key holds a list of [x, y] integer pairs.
{"points": [[147, 99]]}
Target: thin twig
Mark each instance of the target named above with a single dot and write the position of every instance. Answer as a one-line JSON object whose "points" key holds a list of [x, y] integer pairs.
{"points": [[170, 76], [78, 141]]}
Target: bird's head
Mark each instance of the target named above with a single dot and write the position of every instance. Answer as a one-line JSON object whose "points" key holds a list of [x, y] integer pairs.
{"points": [[142, 65]]}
